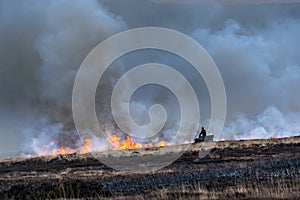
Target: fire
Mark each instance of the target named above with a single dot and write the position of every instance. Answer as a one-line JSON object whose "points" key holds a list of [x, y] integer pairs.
{"points": [[64, 151], [117, 142], [131, 144], [85, 148], [114, 140], [53, 148], [161, 144]]}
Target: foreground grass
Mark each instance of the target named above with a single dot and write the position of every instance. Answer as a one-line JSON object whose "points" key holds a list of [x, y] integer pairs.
{"points": [[276, 189], [273, 189]]}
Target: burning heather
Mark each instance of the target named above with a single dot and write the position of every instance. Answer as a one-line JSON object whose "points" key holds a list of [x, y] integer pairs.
{"points": [[129, 143], [90, 145]]}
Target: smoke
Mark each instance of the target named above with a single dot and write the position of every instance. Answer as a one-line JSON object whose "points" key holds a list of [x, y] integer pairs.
{"points": [[255, 48], [52, 136], [270, 123], [42, 45], [44, 42], [261, 71]]}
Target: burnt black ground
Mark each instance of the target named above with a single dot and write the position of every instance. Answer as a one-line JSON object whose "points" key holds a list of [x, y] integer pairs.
{"points": [[229, 164]]}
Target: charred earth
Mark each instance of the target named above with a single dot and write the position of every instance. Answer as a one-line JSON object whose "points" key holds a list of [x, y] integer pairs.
{"points": [[232, 170]]}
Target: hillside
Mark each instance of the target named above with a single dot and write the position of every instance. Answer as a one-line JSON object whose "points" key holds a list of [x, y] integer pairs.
{"points": [[233, 169]]}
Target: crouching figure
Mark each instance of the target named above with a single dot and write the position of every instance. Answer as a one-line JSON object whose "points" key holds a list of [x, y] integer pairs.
{"points": [[201, 136]]}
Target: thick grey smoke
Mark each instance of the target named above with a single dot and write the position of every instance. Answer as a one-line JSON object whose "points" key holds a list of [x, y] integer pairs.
{"points": [[44, 42], [261, 70], [42, 46], [255, 48]]}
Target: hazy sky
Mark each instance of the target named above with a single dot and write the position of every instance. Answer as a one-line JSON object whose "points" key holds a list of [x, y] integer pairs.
{"points": [[255, 46]]}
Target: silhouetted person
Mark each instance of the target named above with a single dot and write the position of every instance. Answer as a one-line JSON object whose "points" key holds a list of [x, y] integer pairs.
{"points": [[202, 133], [201, 136]]}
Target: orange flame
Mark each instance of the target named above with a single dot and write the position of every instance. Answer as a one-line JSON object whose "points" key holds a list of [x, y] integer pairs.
{"points": [[114, 140], [85, 148], [117, 142], [62, 151], [161, 144], [131, 144]]}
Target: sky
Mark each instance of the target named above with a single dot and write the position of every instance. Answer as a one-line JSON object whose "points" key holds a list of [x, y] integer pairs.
{"points": [[255, 46]]}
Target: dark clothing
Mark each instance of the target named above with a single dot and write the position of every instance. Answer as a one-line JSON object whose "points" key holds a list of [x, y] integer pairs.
{"points": [[201, 136], [203, 133]]}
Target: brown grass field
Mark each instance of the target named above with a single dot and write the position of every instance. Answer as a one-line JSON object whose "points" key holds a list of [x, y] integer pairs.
{"points": [[252, 169]]}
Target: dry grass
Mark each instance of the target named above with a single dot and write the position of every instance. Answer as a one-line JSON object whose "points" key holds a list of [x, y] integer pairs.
{"points": [[256, 169], [277, 189], [273, 190]]}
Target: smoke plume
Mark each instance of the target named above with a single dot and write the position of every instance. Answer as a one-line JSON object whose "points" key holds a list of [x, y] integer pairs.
{"points": [[44, 42], [42, 46]]}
